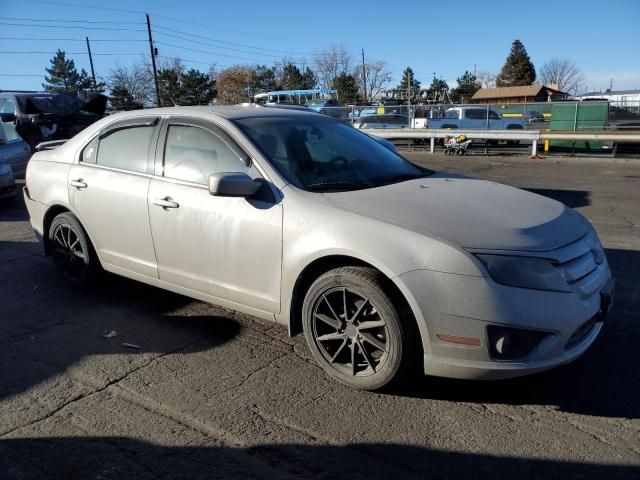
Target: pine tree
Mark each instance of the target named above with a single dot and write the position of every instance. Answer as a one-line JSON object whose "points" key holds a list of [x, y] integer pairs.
{"points": [[518, 69], [291, 78], [121, 99], [263, 79], [309, 79], [414, 86], [63, 76], [347, 88], [195, 88], [169, 86], [468, 85]]}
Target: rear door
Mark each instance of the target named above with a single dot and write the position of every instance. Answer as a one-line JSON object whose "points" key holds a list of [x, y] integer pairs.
{"points": [[108, 189], [227, 247]]}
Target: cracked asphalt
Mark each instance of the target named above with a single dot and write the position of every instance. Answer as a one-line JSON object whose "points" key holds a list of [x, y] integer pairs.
{"points": [[214, 394]]}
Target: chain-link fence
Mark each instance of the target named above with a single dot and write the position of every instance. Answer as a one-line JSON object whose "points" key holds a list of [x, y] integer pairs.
{"points": [[553, 116], [571, 116]]}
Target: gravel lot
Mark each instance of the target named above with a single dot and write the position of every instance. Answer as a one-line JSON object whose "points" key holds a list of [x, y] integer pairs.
{"points": [[215, 394]]}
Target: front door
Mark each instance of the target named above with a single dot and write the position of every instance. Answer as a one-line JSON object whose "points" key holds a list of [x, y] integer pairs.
{"points": [[108, 190], [226, 247]]}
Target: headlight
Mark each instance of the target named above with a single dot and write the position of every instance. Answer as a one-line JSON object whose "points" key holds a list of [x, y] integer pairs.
{"points": [[524, 272]]}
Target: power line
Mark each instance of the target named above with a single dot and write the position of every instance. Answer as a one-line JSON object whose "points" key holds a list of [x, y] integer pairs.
{"points": [[253, 34], [218, 41], [26, 39], [21, 75], [211, 53], [9, 52], [39, 25], [51, 20]]}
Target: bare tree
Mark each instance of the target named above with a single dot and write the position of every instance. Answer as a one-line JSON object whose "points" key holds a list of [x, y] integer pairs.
{"points": [[564, 73], [486, 79], [233, 84], [137, 79], [331, 63], [378, 77]]}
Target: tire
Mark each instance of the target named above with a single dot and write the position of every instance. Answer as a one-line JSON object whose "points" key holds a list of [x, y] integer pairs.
{"points": [[377, 336], [72, 252]]}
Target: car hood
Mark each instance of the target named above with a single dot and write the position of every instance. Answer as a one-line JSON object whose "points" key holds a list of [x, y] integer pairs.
{"points": [[474, 214]]}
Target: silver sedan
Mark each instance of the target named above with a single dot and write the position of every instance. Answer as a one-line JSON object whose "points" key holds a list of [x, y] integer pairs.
{"points": [[296, 218]]}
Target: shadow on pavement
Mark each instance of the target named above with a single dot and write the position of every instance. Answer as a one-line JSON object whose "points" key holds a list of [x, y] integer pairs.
{"points": [[605, 381], [118, 457]]}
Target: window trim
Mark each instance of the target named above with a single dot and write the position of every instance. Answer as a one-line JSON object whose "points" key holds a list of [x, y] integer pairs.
{"points": [[210, 126], [145, 121]]}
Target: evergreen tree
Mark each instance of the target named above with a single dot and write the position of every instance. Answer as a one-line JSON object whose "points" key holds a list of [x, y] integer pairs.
{"points": [[292, 79], [121, 99], [409, 82], [467, 85], [195, 88], [309, 79], [263, 80], [518, 69], [169, 86], [347, 88], [63, 76]]}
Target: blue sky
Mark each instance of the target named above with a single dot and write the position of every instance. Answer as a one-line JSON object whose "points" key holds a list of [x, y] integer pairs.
{"points": [[442, 37]]}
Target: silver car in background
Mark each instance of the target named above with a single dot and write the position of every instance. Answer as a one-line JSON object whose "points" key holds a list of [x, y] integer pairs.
{"points": [[296, 218]]}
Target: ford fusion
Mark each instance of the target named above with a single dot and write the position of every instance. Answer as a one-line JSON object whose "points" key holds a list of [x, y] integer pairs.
{"points": [[294, 217]]}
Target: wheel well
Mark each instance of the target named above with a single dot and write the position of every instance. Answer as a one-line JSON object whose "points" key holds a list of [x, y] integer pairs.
{"points": [[52, 213], [514, 126], [323, 265]]}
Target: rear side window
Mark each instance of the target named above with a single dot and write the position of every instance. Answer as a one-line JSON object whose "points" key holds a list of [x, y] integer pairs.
{"points": [[193, 153], [476, 114], [126, 149]]}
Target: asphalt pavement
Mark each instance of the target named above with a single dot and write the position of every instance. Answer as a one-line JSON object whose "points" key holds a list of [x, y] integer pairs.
{"points": [[211, 393]]}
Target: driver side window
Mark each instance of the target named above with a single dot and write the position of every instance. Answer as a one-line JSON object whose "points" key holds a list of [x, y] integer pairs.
{"points": [[192, 153]]}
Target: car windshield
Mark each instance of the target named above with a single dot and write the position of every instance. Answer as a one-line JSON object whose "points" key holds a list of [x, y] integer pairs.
{"points": [[319, 154]]}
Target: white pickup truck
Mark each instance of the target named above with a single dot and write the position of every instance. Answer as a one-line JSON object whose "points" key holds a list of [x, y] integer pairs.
{"points": [[464, 118]]}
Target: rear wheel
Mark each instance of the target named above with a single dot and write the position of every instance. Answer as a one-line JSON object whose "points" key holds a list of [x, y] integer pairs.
{"points": [[71, 251], [354, 330]]}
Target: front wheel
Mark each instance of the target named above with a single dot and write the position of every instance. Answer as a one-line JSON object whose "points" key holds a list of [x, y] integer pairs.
{"points": [[71, 251], [354, 330]]}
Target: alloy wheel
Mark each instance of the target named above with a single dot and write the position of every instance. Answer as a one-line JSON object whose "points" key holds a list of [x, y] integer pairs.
{"points": [[349, 331]]}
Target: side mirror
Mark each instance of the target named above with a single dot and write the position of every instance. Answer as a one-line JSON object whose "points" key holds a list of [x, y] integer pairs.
{"points": [[232, 185], [7, 117]]}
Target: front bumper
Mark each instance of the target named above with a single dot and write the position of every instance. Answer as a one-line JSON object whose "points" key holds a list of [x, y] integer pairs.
{"points": [[464, 306]]}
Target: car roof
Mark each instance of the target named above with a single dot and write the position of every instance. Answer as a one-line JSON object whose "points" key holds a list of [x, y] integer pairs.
{"points": [[232, 112]]}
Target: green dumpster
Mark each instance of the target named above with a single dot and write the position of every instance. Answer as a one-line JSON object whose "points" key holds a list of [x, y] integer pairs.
{"points": [[579, 116]]}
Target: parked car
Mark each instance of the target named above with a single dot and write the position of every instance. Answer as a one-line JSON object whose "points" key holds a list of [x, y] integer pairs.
{"points": [[7, 181], [13, 149], [473, 118], [329, 107], [533, 117], [40, 117], [382, 121], [299, 219]]}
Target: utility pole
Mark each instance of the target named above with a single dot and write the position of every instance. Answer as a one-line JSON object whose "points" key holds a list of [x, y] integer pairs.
{"points": [[364, 78], [153, 61], [93, 73]]}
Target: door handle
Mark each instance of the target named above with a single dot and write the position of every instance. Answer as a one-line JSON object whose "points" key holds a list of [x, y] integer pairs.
{"points": [[79, 184], [166, 202]]}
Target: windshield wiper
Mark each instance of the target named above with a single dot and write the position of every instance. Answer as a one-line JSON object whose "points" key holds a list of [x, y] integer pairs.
{"points": [[337, 185]]}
